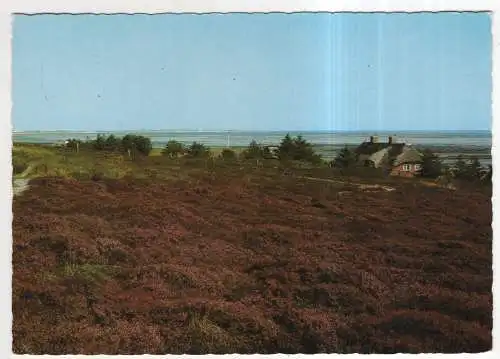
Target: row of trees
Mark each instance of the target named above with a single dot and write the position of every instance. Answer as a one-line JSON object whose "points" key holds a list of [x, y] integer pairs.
{"points": [[130, 143], [290, 148], [471, 170], [297, 149], [174, 149]]}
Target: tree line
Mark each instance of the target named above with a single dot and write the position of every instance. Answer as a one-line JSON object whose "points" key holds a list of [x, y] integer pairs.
{"points": [[289, 149], [131, 143]]}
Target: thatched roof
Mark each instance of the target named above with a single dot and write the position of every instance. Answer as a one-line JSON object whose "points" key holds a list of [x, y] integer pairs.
{"points": [[408, 155], [378, 157], [370, 148], [396, 149]]}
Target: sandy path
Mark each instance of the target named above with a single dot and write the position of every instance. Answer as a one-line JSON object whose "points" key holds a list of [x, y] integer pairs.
{"points": [[365, 187], [20, 185]]}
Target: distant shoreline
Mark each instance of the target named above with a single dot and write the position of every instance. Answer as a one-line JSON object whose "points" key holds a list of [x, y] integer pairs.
{"points": [[448, 145], [437, 147], [361, 132]]}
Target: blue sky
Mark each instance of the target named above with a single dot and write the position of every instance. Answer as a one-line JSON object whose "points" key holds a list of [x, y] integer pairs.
{"points": [[252, 72]]}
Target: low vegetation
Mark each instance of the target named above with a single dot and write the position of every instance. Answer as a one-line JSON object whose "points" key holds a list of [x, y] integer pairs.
{"points": [[297, 149], [432, 167], [345, 159], [254, 151], [291, 152], [130, 143], [173, 149], [198, 150], [192, 252], [228, 154]]}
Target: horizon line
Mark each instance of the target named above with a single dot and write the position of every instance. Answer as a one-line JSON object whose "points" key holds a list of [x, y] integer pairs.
{"points": [[253, 131]]}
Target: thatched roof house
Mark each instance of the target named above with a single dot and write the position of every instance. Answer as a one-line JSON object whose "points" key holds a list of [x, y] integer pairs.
{"points": [[408, 155], [398, 158]]}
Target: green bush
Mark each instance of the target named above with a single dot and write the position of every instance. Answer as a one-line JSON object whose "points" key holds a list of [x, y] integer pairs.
{"points": [[107, 143], [173, 149], [286, 149], [253, 151], [468, 170], [267, 153], [344, 159], [113, 143], [228, 154], [18, 165], [99, 143], [137, 143], [130, 143], [432, 167], [474, 169], [297, 149], [197, 150]]}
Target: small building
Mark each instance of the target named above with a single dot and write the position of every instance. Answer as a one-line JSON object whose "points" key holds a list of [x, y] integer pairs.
{"points": [[398, 159]]}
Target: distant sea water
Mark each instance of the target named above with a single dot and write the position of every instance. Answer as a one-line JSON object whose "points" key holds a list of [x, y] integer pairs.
{"points": [[330, 141]]}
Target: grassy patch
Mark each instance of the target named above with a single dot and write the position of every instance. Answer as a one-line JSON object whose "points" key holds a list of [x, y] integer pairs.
{"points": [[44, 161], [209, 338], [88, 273]]}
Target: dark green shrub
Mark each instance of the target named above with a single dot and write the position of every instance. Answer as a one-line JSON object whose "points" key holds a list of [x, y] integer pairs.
{"points": [[460, 167], [468, 171], [197, 150], [297, 149], [286, 149], [173, 149], [18, 166], [474, 169], [112, 143], [228, 155], [136, 143], [344, 159], [99, 143], [432, 167], [253, 151]]}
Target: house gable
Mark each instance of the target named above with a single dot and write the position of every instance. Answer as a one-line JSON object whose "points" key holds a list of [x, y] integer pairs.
{"points": [[409, 155]]}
